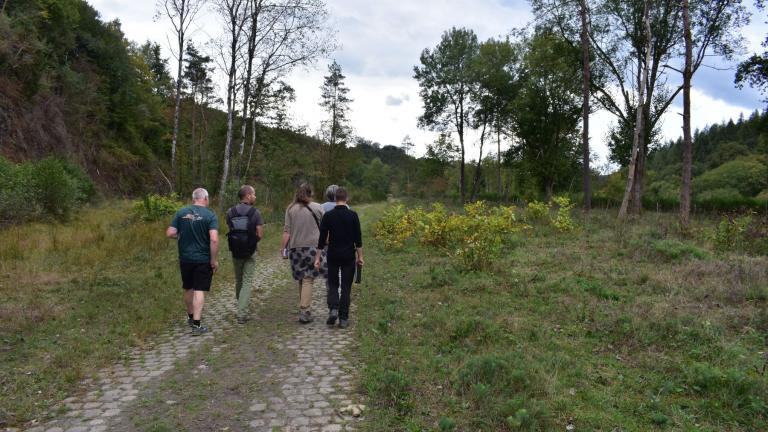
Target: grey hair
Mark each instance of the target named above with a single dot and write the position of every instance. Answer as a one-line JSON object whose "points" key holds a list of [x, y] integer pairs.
{"points": [[330, 192], [199, 194]]}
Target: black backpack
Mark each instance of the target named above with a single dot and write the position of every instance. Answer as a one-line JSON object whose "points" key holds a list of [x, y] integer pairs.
{"points": [[241, 237]]}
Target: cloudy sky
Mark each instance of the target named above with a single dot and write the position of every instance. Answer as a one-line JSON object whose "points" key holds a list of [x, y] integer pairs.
{"points": [[380, 42]]}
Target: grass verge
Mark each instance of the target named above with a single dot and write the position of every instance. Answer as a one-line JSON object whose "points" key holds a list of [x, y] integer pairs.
{"points": [[75, 296], [615, 327]]}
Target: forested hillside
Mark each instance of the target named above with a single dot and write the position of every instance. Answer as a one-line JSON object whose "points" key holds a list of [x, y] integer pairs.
{"points": [[730, 168]]}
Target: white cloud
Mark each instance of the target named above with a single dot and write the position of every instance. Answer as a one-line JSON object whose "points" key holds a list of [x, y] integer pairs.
{"points": [[381, 42]]}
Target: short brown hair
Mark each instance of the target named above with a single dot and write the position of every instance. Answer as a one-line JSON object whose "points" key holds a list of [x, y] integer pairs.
{"points": [[245, 190], [341, 194]]}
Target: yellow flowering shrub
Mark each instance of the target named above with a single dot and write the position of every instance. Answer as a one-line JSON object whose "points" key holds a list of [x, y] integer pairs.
{"points": [[394, 227], [563, 221], [537, 211]]}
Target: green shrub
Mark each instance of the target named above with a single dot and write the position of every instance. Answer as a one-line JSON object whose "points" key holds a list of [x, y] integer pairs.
{"points": [[748, 175], [674, 250], [563, 221], [493, 371], [46, 189], [596, 289], [537, 212], [156, 207], [446, 424], [730, 233]]}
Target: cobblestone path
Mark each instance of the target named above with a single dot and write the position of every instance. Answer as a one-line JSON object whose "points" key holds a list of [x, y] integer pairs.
{"points": [[316, 385], [308, 393]]}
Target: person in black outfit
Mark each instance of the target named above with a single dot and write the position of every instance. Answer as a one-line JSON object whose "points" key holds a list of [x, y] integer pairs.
{"points": [[340, 232]]}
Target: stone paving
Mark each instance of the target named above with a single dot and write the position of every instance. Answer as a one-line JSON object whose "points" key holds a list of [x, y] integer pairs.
{"points": [[311, 390], [104, 398], [317, 384]]}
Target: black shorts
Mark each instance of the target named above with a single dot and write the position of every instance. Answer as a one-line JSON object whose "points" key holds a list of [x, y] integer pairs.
{"points": [[196, 276]]}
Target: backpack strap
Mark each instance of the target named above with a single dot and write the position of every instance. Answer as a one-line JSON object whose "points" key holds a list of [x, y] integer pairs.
{"points": [[232, 213], [314, 216]]}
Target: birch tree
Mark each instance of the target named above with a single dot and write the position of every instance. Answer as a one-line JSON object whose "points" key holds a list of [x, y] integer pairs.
{"points": [[294, 33], [181, 14], [639, 122], [233, 13]]}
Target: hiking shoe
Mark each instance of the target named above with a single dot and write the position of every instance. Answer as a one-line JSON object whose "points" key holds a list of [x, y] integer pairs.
{"points": [[306, 317], [343, 323], [190, 322], [242, 320], [332, 315], [199, 330]]}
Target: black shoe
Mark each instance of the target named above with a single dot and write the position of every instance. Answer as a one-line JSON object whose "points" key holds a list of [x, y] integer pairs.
{"points": [[306, 317], [343, 323], [242, 320], [190, 322], [332, 315], [199, 330]]}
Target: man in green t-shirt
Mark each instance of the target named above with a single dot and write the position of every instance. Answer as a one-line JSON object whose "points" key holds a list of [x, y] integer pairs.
{"points": [[196, 229]]}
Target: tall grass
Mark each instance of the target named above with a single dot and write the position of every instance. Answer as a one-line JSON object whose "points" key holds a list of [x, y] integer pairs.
{"points": [[74, 296]]}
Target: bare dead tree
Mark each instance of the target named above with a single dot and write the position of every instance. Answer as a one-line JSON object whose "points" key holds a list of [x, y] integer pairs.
{"points": [[181, 14]]}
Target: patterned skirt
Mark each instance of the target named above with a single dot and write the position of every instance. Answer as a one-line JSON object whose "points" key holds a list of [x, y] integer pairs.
{"points": [[303, 263]]}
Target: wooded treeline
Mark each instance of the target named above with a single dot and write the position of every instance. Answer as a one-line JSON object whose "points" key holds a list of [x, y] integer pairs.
{"points": [[72, 86]]}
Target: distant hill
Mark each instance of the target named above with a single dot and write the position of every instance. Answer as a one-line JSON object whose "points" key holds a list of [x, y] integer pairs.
{"points": [[730, 168]]}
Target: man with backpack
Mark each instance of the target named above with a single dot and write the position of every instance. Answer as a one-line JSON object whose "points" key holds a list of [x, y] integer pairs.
{"points": [[246, 228]]}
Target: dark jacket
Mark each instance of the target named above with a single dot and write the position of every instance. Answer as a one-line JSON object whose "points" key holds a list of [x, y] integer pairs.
{"points": [[340, 231]]}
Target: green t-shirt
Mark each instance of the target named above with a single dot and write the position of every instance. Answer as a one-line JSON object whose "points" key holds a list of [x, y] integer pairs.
{"points": [[193, 223]]}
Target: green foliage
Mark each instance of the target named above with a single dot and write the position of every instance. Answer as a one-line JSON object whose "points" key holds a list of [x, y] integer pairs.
{"points": [[474, 239], [547, 110], [47, 189], [730, 234], [735, 388], [446, 424], [541, 213], [563, 221], [674, 250], [394, 227], [537, 211], [748, 176], [156, 207]]}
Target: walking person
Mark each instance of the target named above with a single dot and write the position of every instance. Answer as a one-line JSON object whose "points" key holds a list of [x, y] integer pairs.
{"points": [[340, 232], [300, 238], [196, 230], [246, 228], [330, 198]]}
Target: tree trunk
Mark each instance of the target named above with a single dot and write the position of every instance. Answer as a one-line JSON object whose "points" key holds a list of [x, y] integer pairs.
{"points": [[685, 186], [476, 178], [636, 142], [203, 153], [587, 178], [247, 87], [177, 111], [230, 127], [193, 142], [460, 129], [498, 162]]}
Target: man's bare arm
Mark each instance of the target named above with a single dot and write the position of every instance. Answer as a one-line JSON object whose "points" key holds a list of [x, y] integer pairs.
{"points": [[260, 231], [214, 234], [172, 232]]}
